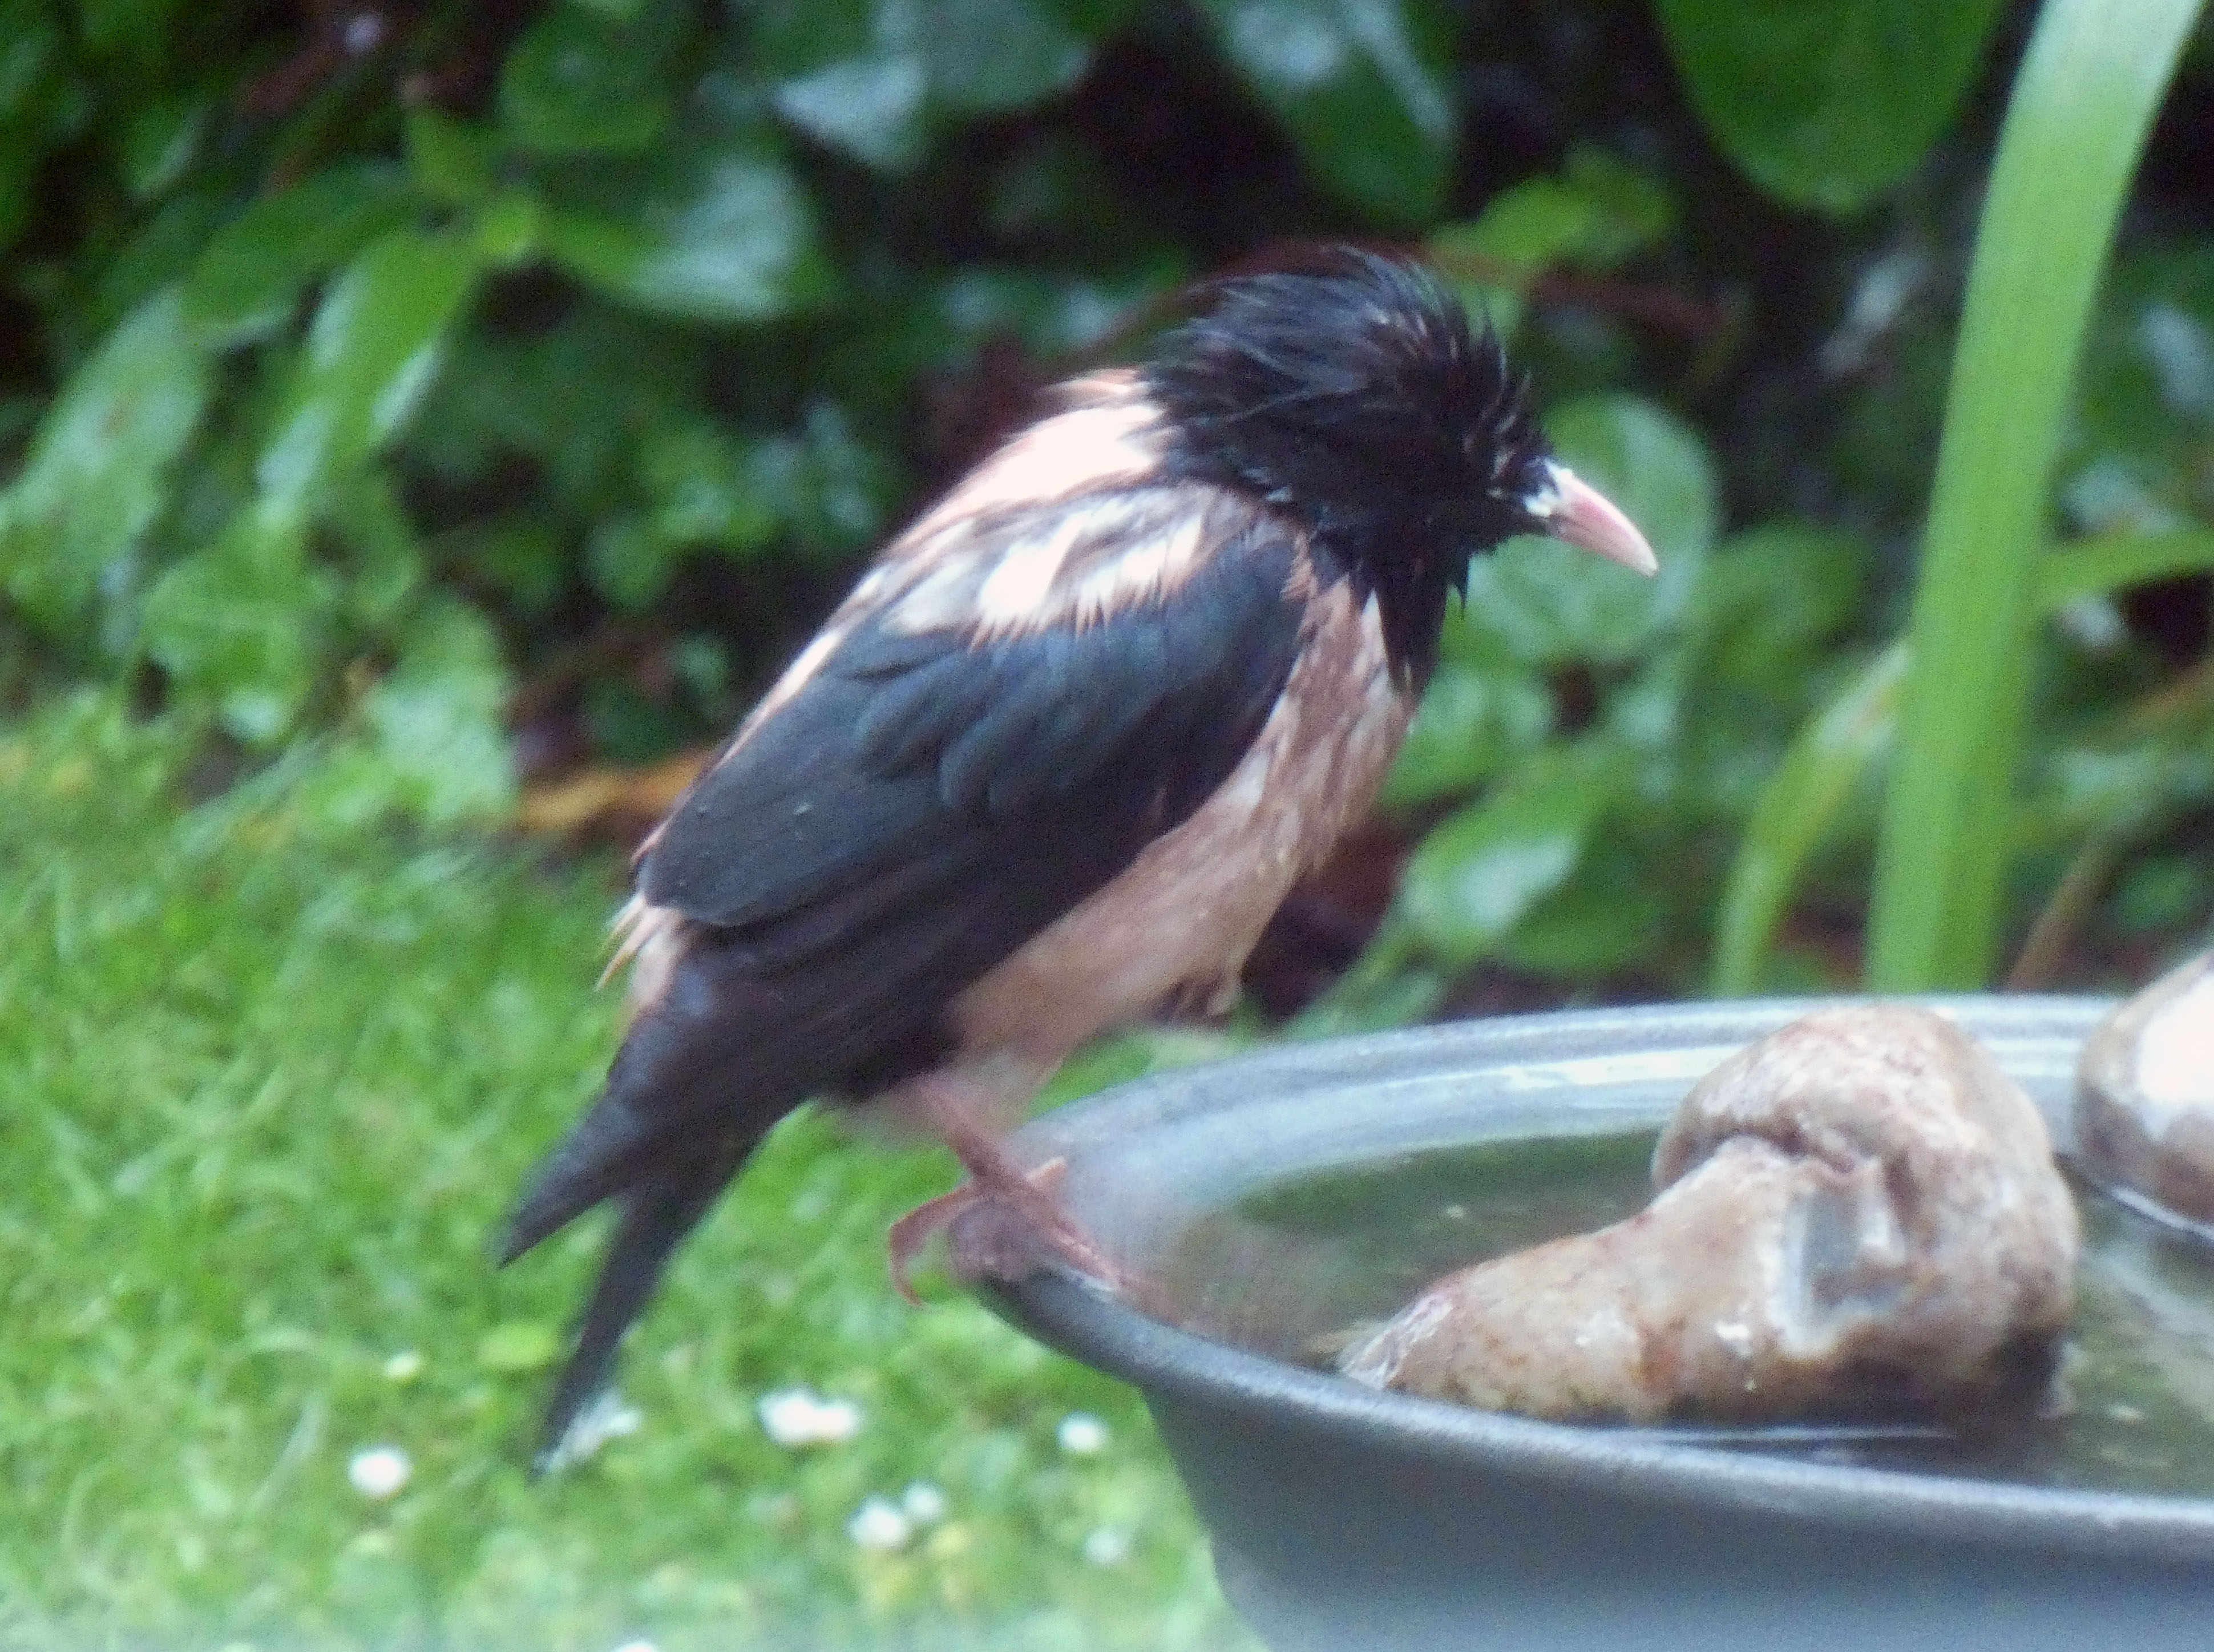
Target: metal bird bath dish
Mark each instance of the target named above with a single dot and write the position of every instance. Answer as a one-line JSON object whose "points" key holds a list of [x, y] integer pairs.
{"points": [[1346, 1519]]}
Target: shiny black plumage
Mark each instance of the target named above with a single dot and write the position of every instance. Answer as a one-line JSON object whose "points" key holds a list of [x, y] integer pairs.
{"points": [[1048, 674], [921, 808], [1359, 401]]}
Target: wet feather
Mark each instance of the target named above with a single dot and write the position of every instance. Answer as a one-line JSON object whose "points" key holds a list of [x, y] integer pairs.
{"points": [[1061, 753]]}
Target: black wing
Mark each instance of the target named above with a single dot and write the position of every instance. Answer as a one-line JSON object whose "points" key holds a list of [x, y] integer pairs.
{"points": [[928, 801], [924, 804]]}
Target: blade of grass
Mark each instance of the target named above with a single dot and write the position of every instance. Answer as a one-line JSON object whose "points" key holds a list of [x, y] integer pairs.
{"points": [[1824, 763], [2086, 93], [2037, 966], [2092, 567], [1834, 749]]}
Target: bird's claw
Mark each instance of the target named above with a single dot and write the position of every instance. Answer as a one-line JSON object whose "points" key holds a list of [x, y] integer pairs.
{"points": [[907, 1238], [998, 1228]]}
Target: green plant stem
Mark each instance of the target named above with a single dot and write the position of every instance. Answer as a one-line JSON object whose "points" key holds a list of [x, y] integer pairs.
{"points": [[1834, 749], [1825, 763], [2191, 695], [2112, 562], [2085, 97], [2037, 966]]}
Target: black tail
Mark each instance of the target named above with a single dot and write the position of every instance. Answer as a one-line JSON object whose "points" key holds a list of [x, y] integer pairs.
{"points": [[686, 1100], [656, 1213], [718, 1052]]}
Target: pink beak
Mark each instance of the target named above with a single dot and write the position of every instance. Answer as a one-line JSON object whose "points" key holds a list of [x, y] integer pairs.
{"points": [[1574, 512]]}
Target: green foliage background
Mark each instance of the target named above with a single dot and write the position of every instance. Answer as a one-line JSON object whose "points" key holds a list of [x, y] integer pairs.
{"points": [[495, 388], [439, 379]]}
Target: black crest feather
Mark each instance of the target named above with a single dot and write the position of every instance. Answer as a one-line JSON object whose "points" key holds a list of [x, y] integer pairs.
{"points": [[1357, 398]]}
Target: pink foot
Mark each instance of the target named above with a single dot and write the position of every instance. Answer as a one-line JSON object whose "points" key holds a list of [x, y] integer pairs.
{"points": [[999, 1224]]}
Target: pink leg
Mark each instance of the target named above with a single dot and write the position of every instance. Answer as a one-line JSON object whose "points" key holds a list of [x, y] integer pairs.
{"points": [[1009, 1221]]}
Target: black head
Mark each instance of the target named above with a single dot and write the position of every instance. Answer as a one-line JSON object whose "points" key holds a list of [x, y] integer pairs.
{"points": [[1359, 399]]}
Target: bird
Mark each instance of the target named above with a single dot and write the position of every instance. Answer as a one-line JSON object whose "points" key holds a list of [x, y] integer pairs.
{"points": [[1056, 760]]}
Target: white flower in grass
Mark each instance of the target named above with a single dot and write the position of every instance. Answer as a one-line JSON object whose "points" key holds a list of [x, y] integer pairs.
{"points": [[923, 1503], [1107, 1546], [379, 1471], [1082, 1435], [404, 1366], [798, 1416], [877, 1525]]}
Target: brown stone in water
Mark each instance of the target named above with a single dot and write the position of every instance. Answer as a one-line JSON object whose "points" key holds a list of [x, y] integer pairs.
{"points": [[2144, 1104], [1860, 1211]]}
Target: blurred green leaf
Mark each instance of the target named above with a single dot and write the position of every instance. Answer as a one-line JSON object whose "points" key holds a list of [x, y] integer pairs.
{"points": [[1611, 914], [1408, 992], [1472, 724], [827, 485], [159, 254], [848, 73], [1051, 314], [707, 489], [247, 280], [509, 229], [1119, 1057], [582, 81], [630, 564], [517, 555], [160, 140], [629, 726], [2144, 394], [99, 470], [1529, 227], [568, 398], [2093, 567], [1631, 207], [2088, 791], [1483, 869], [2163, 894], [1825, 763], [385, 564], [872, 107], [31, 47], [372, 352], [1546, 604], [1827, 103], [242, 622], [450, 160], [990, 57], [1771, 598], [44, 104], [1595, 214], [1360, 86], [718, 233], [865, 76], [1095, 20], [132, 28], [435, 720], [20, 155]]}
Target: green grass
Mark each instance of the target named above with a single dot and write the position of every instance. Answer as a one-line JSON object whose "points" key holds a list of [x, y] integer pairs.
{"points": [[266, 1085]]}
